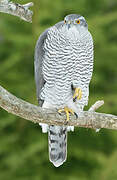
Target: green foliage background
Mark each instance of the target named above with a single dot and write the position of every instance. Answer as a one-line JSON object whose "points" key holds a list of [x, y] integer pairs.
{"points": [[23, 148]]}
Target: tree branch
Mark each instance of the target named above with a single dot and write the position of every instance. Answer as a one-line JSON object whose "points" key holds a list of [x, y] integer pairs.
{"points": [[16, 9], [96, 106], [23, 109]]}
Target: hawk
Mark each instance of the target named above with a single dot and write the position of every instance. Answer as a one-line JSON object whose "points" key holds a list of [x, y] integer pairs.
{"points": [[63, 70]]}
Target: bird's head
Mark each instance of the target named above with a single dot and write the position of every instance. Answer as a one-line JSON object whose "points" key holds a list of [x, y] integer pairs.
{"points": [[75, 20]]}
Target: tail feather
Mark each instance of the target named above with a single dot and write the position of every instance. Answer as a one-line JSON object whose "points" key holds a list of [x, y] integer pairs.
{"points": [[57, 138]]}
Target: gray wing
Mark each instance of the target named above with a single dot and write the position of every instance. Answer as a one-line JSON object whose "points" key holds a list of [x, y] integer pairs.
{"points": [[38, 60], [39, 52]]}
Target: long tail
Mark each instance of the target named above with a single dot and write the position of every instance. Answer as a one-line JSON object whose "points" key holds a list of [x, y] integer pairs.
{"points": [[57, 139]]}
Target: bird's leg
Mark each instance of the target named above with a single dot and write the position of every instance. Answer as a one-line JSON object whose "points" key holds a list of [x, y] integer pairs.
{"points": [[77, 94], [67, 111]]}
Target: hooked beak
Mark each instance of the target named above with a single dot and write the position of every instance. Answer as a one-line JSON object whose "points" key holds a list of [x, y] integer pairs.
{"points": [[69, 24]]}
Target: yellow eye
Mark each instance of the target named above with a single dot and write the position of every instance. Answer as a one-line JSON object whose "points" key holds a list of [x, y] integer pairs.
{"points": [[65, 21], [78, 21]]}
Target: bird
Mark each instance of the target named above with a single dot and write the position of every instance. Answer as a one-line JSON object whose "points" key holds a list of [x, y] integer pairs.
{"points": [[63, 66]]}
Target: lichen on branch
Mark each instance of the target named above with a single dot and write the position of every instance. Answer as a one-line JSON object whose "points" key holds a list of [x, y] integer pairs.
{"points": [[17, 9]]}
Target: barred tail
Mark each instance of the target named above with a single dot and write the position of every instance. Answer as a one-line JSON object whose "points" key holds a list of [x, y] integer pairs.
{"points": [[57, 139]]}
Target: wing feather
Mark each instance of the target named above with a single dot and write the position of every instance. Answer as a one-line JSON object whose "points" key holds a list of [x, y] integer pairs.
{"points": [[38, 60], [39, 53]]}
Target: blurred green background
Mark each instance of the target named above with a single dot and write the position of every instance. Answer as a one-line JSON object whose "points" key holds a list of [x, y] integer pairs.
{"points": [[23, 148]]}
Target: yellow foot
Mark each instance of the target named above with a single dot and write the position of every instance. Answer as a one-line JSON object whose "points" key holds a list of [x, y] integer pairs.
{"points": [[77, 94], [67, 111]]}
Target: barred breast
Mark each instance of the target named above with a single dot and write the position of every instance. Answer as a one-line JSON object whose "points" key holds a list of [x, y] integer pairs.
{"points": [[68, 60]]}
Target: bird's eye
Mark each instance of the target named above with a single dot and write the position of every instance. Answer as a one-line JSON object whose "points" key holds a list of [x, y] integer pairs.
{"points": [[65, 21], [78, 21]]}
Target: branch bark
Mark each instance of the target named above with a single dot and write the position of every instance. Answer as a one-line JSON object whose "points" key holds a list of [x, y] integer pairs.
{"points": [[16, 9], [23, 109]]}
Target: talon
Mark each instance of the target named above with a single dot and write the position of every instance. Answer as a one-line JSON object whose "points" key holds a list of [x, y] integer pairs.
{"points": [[76, 115], [77, 94], [67, 111]]}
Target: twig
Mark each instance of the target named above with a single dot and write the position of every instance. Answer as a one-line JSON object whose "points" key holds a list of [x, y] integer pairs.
{"points": [[23, 109], [96, 105], [16, 9]]}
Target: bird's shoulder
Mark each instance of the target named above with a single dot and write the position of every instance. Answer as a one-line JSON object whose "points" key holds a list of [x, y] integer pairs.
{"points": [[59, 24], [56, 27], [44, 35]]}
